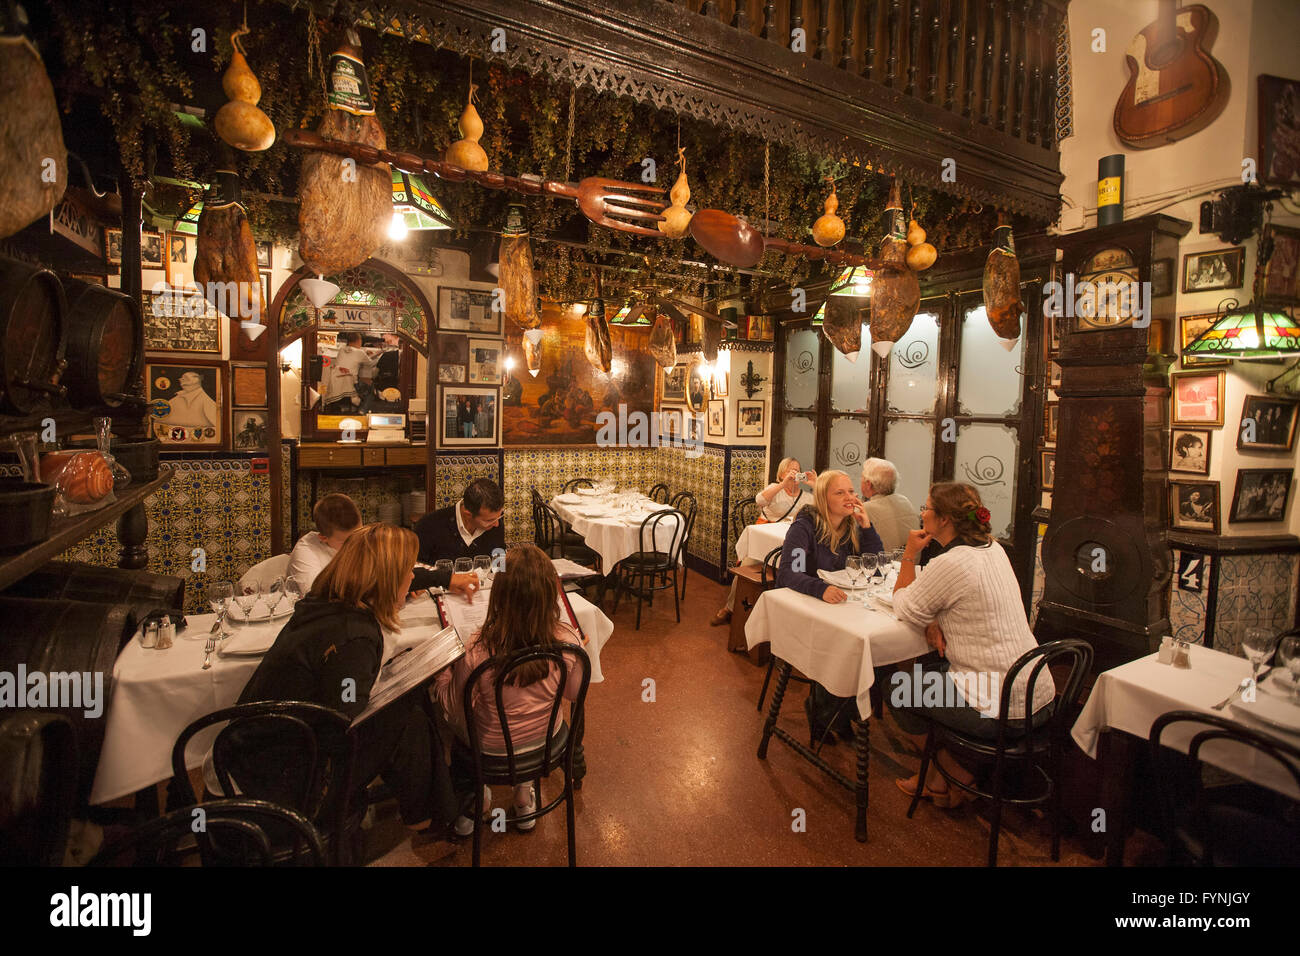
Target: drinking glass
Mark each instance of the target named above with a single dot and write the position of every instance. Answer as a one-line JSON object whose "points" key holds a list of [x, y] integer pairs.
{"points": [[483, 568], [463, 565], [248, 598], [274, 595], [219, 595], [853, 565], [869, 563], [883, 561], [446, 564], [292, 591], [1258, 645], [1288, 656]]}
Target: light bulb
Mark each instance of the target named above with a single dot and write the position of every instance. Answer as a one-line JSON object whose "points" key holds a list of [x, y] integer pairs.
{"points": [[397, 227], [510, 363], [1250, 338]]}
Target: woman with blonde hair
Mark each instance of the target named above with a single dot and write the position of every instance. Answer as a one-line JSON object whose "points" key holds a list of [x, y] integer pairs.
{"points": [[330, 652], [820, 539], [523, 611], [969, 602]]}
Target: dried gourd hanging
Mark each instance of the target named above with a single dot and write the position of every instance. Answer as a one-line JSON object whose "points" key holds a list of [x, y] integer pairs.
{"points": [[240, 123], [921, 255], [1002, 302], [895, 290], [466, 152], [829, 228], [677, 218]]}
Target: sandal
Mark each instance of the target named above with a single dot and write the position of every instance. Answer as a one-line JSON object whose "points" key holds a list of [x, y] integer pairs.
{"points": [[721, 618], [908, 787]]}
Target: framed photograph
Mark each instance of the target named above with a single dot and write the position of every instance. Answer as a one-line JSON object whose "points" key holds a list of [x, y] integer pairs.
{"points": [[697, 387], [1282, 272], [187, 402], [721, 383], [675, 384], [1162, 278], [1051, 415], [263, 253], [182, 321], [485, 358], [248, 427], [1053, 374], [1197, 398], [1191, 326], [113, 246], [750, 418], [1047, 464], [695, 427], [670, 423], [1270, 423], [717, 419], [1261, 494], [1279, 130], [453, 359], [1055, 330], [1194, 505], [88, 278], [468, 416], [1217, 269], [248, 387], [760, 328], [467, 310], [1189, 450], [180, 259], [152, 254], [1154, 447]]}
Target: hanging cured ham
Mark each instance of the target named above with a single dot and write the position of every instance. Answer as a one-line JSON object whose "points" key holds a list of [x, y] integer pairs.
{"points": [[895, 289], [518, 284], [1002, 302], [345, 207], [225, 258], [842, 323], [663, 342], [33, 159], [599, 350]]}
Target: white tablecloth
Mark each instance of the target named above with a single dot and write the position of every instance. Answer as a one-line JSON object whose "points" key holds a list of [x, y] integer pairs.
{"points": [[1130, 698], [609, 535], [757, 540], [836, 645], [157, 694]]}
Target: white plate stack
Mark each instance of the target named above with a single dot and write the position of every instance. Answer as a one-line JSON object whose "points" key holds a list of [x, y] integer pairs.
{"points": [[413, 506]]}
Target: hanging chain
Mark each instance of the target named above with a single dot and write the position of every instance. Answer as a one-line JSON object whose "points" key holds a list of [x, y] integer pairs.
{"points": [[315, 64], [767, 180], [568, 142]]}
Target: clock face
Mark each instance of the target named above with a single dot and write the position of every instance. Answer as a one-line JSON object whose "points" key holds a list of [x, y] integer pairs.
{"points": [[1107, 294]]}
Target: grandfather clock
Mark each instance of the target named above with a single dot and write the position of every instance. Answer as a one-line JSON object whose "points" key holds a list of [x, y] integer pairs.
{"points": [[1105, 556]]}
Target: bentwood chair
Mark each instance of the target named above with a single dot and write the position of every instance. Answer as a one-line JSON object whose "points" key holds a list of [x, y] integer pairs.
{"points": [[516, 767], [659, 493], [743, 515], [684, 502], [1039, 749], [295, 754], [236, 832], [771, 562], [1234, 824], [573, 484], [649, 569]]}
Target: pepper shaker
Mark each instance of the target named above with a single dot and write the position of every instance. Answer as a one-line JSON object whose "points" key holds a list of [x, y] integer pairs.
{"points": [[1166, 654], [149, 635], [166, 634], [1182, 654]]}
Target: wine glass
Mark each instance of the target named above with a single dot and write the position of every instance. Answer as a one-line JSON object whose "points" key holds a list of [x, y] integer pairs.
{"points": [[247, 599], [292, 591], [463, 566], [853, 565], [869, 563], [219, 596], [1288, 656], [883, 560], [483, 568], [1257, 645], [273, 595]]}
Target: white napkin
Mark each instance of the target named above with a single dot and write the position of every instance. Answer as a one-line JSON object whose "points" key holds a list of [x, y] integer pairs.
{"points": [[589, 492], [569, 499], [251, 639], [841, 579]]}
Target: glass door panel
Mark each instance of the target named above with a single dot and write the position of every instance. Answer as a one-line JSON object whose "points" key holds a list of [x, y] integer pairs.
{"points": [[799, 440], [910, 446], [851, 381], [993, 378], [914, 366], [802, 357], [986, 457], [848, 446]]}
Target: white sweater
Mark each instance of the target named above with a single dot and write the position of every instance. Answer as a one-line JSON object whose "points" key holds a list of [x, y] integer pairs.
{"points": [[973, 595]]}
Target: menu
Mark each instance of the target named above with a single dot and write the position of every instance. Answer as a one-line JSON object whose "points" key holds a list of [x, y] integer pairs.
{"points": [[412, 666]]}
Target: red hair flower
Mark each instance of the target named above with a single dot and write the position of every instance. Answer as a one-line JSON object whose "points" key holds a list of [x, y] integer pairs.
{"points": [[983, 515]]}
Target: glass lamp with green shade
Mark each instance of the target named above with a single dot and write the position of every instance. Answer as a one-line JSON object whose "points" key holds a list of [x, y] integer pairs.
{"points": [[854, 280], [1249, 332]]}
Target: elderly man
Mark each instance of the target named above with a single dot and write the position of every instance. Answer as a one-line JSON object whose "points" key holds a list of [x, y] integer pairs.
{"points": [[891, 514]]}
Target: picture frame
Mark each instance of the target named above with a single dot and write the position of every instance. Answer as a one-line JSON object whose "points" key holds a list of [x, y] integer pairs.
{"points": [[263, 247], [187, 403], [1189, 327], [266, 290], [760, 328], [1261, 494], [1189, 450], [469, 415], [674, 384], [181, 320], [152, 252], [248, 386], [467, 310], [1051, 418], [750, 418], [1196, 398], [248, 429], [486, 361], [720, 384], [1162, 278], [1194, 505], [1274, 423], [695, 427], [1053, 374], [697, 386], [180, 259], [1213, 269], [453, 359], [1282, 271], [1279, 130], [1047, 469], [113, 246], [670, 423], [717, 419]]}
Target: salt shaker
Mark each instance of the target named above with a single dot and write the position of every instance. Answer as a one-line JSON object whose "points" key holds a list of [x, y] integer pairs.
{"points": [[1182, 654], [149, 635], [166, 634], [1166, 655]]}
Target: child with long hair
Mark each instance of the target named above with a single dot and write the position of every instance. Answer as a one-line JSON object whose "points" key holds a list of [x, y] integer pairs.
{"points": [[523, 611]]}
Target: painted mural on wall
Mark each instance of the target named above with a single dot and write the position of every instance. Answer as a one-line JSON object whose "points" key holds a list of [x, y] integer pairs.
{"points": [[559, 406]]}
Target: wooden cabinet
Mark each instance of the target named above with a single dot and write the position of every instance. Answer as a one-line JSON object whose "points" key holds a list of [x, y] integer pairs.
{"points": [[361, 456], [329, 456], [372, 456]]}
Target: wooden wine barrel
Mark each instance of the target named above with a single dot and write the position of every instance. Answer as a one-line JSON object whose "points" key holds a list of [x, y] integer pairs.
{"points": [[33, 315], [67, 637], [104, 346], [38, 777], [141, 591]]}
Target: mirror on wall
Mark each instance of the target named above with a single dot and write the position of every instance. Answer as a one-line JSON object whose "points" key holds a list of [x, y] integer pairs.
{"points": [[357, 372]]}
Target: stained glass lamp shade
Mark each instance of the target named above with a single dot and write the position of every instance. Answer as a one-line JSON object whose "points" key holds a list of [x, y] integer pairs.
{"points": [[1249, 332], [854, 280]]}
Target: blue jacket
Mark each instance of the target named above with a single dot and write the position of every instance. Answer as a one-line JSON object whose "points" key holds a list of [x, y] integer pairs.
{"points": [[817, 554]]}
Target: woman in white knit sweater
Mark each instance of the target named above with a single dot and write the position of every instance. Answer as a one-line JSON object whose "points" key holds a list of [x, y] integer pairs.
{"points": [[968, 600]]}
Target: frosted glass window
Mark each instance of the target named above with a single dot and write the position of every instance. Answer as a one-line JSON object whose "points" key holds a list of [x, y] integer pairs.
{"points": [[986, 458], [848, 446], [991, 379], [800, 441], [851, 381], [910, 446], [914, 366], [802, 356]]}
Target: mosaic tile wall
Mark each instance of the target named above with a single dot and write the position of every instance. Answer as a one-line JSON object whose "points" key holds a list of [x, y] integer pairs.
{"points": [[456, 471], [1187, 608], [368, 491], [217, 504], [745, 479], [704, 477], [284, 538], [1255, 590]]}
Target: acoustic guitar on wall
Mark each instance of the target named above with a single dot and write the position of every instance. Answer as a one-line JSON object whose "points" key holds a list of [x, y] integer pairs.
{"points": [[1175, 87]]}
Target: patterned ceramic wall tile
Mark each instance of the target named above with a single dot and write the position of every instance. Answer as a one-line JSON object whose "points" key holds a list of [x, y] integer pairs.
{"points": [[547, 469], [368, 491], [1255, 590], [745, 479], [286, 539], [454, 472], [1187, 608], [704, 477], [214, 504]]}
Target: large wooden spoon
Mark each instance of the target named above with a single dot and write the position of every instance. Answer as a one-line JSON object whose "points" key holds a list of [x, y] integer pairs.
{"points": [[731, 240]]}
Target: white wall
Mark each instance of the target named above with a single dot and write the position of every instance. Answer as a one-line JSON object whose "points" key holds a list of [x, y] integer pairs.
{"points": [[1254, 37]]}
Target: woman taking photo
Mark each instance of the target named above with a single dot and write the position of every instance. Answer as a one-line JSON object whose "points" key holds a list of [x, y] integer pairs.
{"points": [[523, 611], [779, 501], [330, 652], [822, 536], [968, 600]]}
